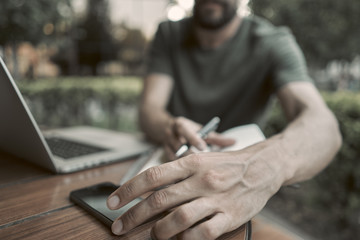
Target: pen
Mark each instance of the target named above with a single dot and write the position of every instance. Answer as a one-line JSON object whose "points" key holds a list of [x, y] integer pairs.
{"points": [[203, 132]]}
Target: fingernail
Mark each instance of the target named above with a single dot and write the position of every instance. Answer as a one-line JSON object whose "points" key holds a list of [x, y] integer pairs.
{"points": [[117, 227], [201, 147], [114, 201]]}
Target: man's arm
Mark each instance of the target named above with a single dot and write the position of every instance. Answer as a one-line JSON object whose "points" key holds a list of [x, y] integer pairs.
{"points": [[227, 189], [157, 123], [153, 118], [312, 138], [161, 127]]}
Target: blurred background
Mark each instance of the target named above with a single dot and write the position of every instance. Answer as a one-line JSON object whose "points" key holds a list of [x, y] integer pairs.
{"points": [[80, 62]]}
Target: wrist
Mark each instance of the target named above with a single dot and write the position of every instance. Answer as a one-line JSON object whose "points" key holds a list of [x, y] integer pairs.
{"points": [[155, 123], [268, 165], [167, 127], [285, 159]]}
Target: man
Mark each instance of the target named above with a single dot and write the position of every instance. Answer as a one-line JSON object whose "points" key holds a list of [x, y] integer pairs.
{"points": [[218, 63]]}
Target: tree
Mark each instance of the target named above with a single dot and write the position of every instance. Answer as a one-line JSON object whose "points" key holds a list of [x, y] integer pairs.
{"points": [[96, 43], [325, 29], [28, 20]]}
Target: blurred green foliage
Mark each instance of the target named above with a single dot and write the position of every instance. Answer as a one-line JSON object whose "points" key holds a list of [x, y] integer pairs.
{"points": [[331, 200], [24, 20], [97, 43], [127, 89], [325, 29], [107, 102]]}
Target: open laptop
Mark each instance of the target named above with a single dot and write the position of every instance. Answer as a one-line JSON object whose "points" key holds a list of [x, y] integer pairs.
{"points": [[60, 150]]}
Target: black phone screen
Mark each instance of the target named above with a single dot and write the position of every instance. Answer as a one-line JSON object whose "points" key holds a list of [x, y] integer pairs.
{"points": [[93, 199]]}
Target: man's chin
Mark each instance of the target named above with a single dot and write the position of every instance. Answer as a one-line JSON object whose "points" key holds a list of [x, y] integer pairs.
{"points": [[210, 25], [213, 15], [210, 19], [212, 22]]}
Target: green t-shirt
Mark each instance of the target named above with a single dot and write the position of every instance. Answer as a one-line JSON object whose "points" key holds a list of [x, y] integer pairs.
{"points": [[234, 81]]}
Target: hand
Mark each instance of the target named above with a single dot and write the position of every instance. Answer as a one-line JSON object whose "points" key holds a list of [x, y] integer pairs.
{"points": [[222, 190], [182, 130]]}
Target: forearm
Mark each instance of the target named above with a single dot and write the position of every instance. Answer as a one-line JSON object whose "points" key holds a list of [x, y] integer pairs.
{"points": [[308, 144], [154, 122]]}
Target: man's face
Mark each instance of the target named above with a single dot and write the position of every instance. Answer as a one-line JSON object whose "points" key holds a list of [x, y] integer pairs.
{"points": [[214, 14]]}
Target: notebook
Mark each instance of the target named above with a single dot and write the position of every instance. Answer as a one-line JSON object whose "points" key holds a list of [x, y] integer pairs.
{"points": [[244, 136], [60, 150]]}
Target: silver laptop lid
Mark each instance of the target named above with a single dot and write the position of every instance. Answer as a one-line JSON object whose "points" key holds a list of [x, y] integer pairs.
{"points": [[19, 133]]}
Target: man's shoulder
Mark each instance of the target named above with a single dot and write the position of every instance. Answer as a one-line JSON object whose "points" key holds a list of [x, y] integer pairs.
{"points": [[267, 35], [264, 29]]}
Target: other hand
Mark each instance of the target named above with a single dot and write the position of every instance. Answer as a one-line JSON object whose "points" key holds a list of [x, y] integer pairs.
{"points": [[182, 130]]}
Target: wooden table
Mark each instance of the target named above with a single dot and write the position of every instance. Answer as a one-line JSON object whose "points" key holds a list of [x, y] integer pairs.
{"points": [[34, 203]]}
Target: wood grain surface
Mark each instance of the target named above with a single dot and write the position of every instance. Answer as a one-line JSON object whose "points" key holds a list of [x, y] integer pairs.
{"points": [[34, 203]]}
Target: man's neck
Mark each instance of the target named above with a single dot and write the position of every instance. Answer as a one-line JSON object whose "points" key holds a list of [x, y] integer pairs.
{"points": [[211, 39]]}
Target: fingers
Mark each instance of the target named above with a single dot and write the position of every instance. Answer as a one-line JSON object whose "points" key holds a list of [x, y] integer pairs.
{"points": [[158, 202], [173, 139], [182, 218], [168, 174], [219, 140], [192, 193], [188, 130], [147, 181], [210, 229], [204, 224], [180, 132], [169, 153]]}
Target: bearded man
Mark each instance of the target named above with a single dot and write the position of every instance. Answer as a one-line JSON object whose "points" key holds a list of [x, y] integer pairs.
{"points": [[220, 63]]}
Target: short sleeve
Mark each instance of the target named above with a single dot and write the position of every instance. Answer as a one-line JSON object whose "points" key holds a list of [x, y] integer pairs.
{"points": [[159, 54], [288, 62]]}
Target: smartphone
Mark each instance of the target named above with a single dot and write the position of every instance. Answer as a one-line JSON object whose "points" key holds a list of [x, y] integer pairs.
{"points": [[93, 200]]}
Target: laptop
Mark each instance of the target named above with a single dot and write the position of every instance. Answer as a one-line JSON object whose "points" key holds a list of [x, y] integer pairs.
{"points": [[60, 150]]}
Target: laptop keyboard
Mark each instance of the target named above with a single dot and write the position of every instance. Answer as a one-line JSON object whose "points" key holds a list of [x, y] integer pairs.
{"points": [[68, 149]]}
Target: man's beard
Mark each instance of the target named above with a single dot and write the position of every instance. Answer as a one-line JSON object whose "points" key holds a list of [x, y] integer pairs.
{"points": [[206, 21]]}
